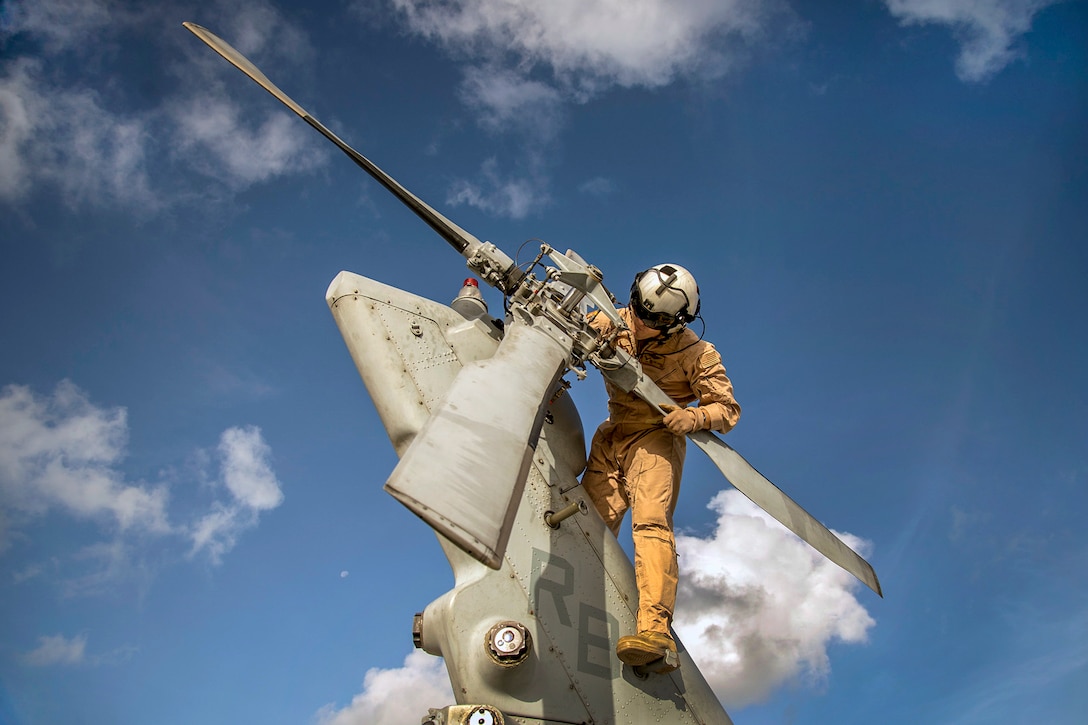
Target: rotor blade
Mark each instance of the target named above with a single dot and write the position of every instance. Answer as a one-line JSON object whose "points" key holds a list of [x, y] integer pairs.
{"points": [[461, 240], [771, 499], [625, 372], [466, 468]]}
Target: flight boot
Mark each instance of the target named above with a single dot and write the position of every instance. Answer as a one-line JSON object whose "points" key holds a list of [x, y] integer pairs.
{"points": [[654, 650]]}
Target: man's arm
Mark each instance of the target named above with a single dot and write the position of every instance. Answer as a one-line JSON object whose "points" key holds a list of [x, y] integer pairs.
{"points": [[718, 409], [715, 391]]}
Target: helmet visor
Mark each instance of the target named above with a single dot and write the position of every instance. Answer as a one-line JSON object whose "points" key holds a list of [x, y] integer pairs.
{"points": [[653, 320]]}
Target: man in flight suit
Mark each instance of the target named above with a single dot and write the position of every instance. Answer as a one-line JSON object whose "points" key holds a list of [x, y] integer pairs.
{"points": [[636, 457]]}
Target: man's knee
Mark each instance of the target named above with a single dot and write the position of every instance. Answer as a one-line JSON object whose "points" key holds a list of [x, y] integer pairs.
{"points": [[656, 530]]}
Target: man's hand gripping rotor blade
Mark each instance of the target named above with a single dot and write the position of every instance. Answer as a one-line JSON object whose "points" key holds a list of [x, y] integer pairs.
{"points": [[626, 372]]}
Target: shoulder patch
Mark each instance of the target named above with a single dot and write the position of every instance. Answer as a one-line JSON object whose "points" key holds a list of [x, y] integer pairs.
{"points": [[710, 358]]}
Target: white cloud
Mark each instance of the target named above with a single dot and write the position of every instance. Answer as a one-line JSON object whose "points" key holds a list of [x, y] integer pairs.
{"points": [[758, 607], [246, 472], [246, 469], [213, 134], [507, 99], [510, 196], [395, 696], [57, 650], [57, 131], [589, 45], [16, 130], [987, 30], [259, 28], [66, 138], [61, 451], [213, 137], [217, 531], [525, 60], [61, 23]]}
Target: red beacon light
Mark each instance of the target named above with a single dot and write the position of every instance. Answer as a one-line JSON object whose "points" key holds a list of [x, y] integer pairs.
{"points": [[470, 302]]}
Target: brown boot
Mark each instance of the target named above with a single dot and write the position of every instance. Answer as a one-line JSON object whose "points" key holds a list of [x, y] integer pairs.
{"points": [[646, 647]]}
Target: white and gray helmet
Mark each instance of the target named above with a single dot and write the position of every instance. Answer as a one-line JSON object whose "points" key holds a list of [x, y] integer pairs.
{"points": [[665, 297]]}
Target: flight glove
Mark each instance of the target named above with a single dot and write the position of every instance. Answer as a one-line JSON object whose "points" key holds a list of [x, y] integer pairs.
{"points": [[681, 421]]}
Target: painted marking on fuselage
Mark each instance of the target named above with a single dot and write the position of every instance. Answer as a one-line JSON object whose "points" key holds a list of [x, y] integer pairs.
{"points": [[558, 591], [553, 582]]}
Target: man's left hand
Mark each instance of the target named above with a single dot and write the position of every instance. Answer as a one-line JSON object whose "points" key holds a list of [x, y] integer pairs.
{"points": [[681, 421]]}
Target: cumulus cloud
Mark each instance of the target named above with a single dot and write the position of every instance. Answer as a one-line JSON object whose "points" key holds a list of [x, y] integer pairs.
{"points": [[395, 696], [57, 650], [16, 128], [507, 99], [220, 143], [214, 134], [246, 472], [758, 607], [526, 61], [501, 194], [259, 28], [66, 138], [986, 30], [594, 44], [57, 131], [60, 23], [61, 452]]}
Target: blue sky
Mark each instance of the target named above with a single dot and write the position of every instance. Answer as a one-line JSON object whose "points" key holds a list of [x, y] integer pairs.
{"points": [[885, 203]]}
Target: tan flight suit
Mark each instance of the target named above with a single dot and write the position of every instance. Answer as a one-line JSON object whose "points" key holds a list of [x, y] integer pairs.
{"points": [[635, 461]]}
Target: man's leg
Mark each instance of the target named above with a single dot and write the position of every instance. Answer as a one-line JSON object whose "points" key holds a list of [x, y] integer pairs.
{"points": [[655, 465], [654, 468], [603, 482]]}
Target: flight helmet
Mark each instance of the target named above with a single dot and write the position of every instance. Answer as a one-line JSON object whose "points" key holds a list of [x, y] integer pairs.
{"points": [[665, 297]]}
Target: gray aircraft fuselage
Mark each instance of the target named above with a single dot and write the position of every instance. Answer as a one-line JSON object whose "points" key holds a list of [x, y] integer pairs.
{"points": [[571, 588]]}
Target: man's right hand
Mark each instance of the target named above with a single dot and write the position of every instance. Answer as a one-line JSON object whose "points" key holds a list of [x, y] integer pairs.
{"points": [[681, 421]]}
